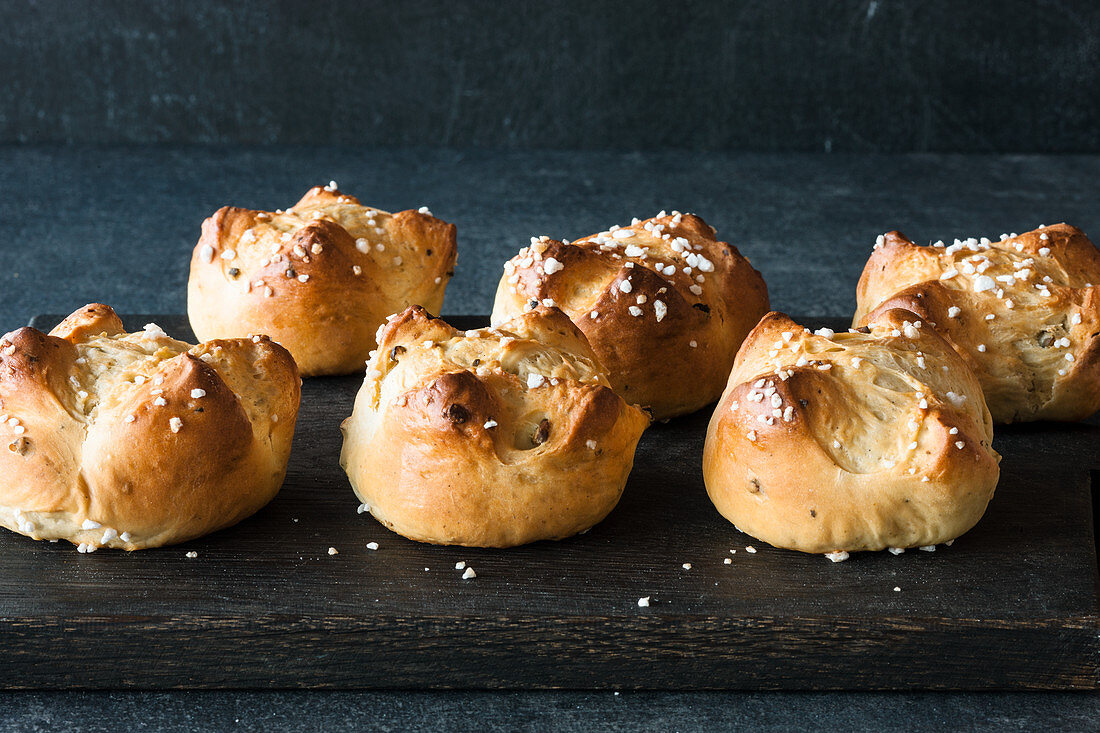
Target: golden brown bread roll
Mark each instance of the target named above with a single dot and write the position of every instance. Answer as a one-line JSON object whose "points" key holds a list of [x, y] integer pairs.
{"points": [[488, 438], [832, 443], [663, 303], [1023, 311], [136, 440], [319, 278]]}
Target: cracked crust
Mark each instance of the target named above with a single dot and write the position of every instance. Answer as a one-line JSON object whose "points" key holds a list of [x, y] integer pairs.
{"points": [[1027, 323], [636, 294], [136, 440], [488, 438], [319, 278], [828, 442]]}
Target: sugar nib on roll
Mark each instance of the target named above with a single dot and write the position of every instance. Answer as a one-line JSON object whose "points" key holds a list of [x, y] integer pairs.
{"points": [[319, 278], [488, 438], [1023, 311], [663, 303], [836, 442], [136, 440]]}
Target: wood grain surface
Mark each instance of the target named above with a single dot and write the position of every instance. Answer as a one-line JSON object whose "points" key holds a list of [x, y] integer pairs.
{"points": [[843, 75], [1011, 605]]}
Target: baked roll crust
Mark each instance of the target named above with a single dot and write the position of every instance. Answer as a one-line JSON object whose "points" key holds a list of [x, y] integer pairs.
{"points": [[319, 278], [663, 303], [867, 440], [488, 438], [1023, 311], [136, 440]]}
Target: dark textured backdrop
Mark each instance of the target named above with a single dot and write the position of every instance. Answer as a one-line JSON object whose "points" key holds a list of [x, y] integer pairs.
{"points": [[799, 75]]}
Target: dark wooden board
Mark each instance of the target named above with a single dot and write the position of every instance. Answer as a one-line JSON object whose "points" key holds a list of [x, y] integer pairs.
{"points": [[1011, 605]]}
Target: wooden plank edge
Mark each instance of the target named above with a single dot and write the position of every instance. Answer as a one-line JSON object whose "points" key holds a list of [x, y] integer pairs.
{"points": [[1094, 495], [597, 653]]}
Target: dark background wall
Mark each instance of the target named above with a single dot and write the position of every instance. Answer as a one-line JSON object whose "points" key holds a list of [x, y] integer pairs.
{"points": [[806, 75]]}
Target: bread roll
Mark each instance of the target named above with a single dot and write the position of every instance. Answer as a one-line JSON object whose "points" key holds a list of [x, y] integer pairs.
{"points": [[663, 303], [488, 438], [136, 440], [319, 278], [1023, 311], [832, 443]]}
